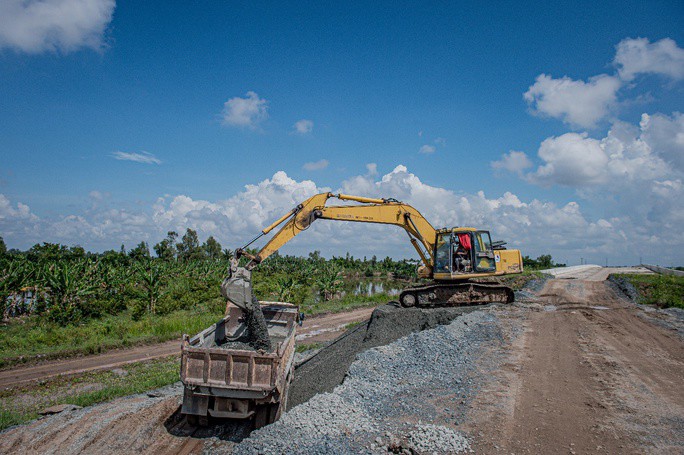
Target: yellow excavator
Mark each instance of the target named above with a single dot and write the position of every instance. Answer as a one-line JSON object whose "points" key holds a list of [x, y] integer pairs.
{"points": [[451, 257]]}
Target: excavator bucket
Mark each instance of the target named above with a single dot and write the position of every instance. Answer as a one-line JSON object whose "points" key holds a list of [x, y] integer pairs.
{"points": [[237, 288]]}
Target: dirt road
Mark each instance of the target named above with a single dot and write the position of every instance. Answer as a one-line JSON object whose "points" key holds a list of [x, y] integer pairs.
{"points": [[590, 374], [315, 329]]}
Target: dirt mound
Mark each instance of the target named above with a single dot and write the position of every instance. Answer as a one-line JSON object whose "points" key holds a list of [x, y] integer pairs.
{"points": [[327, 369]]}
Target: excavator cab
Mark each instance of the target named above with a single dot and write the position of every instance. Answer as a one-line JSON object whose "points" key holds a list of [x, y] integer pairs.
{"points": [[464, 252]]}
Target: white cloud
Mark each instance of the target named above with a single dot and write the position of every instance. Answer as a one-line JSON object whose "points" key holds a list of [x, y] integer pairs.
{"points": [[512, 161], [303, 126], [665, 135], [427, 149], [440, 141], [246, 112], [34, 26], [578, 103], [536, 227], [650, 151], [20, 211], [571, 159], [372, 169], [138, 157], [239, 217], [316, 165], [640, 56]]}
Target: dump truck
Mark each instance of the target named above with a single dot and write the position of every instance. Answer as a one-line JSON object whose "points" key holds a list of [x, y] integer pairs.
{"points": [[225, 377]]}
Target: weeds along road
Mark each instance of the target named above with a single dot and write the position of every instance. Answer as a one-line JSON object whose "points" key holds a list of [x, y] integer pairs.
{"points": [[315, 329]]}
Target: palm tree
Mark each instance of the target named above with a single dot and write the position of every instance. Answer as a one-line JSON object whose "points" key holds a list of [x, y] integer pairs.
{"points": [[328, 281], [151, 278]]}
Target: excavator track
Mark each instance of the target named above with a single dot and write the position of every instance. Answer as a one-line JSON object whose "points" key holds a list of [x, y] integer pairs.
{"points": [[455, 294]]}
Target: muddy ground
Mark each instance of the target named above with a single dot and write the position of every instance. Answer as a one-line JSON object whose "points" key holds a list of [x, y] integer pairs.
{"points": [[576, 369]]}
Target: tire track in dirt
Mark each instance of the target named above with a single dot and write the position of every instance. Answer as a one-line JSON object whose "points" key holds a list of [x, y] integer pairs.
{"points": [[588, 375]]}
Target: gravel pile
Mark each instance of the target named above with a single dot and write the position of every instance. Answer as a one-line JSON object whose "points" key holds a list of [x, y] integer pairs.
{"points": [[327, 369], [435, 438], [407, 395], [530, 291], [623, 287]]}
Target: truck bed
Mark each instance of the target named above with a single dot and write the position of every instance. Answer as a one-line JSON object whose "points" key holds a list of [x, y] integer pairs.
{"points": [[226, 378]]}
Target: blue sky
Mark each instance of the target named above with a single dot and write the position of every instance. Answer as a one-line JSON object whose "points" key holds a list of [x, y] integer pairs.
{"points": [[205, 98]]}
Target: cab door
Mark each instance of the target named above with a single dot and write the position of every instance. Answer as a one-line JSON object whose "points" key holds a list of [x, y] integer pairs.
{"points": [[484, 253]]}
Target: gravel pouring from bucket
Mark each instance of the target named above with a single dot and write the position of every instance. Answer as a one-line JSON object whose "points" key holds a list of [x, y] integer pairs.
{"points": [[237, 288]]}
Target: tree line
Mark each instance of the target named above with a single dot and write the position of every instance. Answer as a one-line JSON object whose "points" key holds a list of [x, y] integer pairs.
{"points": [[67, 284]]}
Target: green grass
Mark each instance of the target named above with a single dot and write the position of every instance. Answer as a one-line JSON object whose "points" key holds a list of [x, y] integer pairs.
{"points": [[351, 325], [660, 290], [20, 405], [346, 303], [29, 338], [307, 347]]}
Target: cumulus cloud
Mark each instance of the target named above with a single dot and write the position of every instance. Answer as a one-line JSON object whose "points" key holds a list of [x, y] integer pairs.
{"points": [[571, 159], [34, 26], [18, 211], [534, 226], [652, 150], [578, 103], [665, 135], [316, 165], [427, 149], [247, 112], [640, 56], [512, 161], [303, 126], [372, 169], [239, 217], [138, 157]]}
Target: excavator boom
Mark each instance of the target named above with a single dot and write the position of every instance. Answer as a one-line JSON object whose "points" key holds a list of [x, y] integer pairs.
{"points": [[382, 211], [475, 259]]}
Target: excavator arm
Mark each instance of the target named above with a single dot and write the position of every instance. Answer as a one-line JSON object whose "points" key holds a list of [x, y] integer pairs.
{"points": [[370, 210]]}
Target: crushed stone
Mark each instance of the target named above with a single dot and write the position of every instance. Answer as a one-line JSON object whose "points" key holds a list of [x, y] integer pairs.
{"points": [[326, 369], [418, 387]]}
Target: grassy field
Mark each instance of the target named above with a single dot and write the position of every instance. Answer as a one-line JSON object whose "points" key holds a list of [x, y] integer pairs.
{"points": [[660, 290], [22, 404], [30, 338]]}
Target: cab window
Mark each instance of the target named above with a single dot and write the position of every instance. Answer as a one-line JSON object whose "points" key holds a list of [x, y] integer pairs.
{"points": [[484, 255], [443, 253]]}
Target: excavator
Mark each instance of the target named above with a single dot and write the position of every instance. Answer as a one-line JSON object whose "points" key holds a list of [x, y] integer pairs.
{"points": [[453, 258]]}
